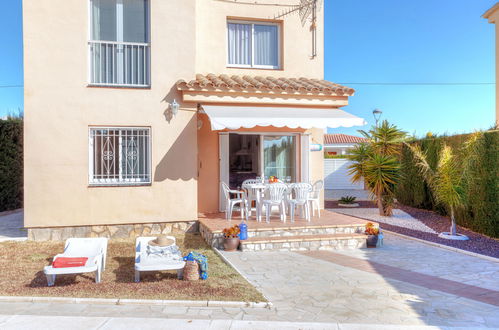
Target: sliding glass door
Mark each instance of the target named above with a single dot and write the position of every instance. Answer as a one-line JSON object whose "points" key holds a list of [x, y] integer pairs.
{"points": [[279, 156]]}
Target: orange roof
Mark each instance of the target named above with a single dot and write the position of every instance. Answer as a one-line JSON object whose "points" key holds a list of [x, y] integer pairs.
{"points": [[342, 139], [489, 12], [265, 84]]}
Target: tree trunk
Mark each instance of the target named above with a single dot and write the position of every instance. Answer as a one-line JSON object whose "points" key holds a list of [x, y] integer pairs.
{"points": [[453, 230], [379, 201]]}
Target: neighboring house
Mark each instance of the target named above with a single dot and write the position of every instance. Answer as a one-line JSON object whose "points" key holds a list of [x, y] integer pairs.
{"points": [[336, 176], [136, 110], [339, 144], [493, 16]]}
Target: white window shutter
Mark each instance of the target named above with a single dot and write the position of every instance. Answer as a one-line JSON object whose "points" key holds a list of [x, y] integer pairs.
{"points": [[223, 154], [305, 157]]}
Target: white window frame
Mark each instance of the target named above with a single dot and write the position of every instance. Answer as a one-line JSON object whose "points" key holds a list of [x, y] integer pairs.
{"points": [[119, 31], [252, 55], [92, 181]]}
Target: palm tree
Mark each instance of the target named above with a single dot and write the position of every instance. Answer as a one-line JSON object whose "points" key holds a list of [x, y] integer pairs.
{"points": [[445, 182], [376, 162]]}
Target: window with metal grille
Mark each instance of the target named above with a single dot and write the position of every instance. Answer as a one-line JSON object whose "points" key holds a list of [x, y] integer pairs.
{"points": [[119, 156]]}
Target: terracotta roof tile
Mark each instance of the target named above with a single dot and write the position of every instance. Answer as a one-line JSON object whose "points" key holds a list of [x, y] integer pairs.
{"points": [[342, 138], [260, 83]]}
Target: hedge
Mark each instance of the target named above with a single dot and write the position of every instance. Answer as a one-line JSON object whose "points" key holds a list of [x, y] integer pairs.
{"points": [[11, 164], [481, 213]]}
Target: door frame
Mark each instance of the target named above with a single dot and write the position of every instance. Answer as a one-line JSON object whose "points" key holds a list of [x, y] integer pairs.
{"points": [[302, 156]]}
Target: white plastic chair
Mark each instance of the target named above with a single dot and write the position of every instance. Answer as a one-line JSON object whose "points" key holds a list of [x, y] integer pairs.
{"points": [[275, 196], [252, 195], [301, 192], [95, 249], [231, 202], [315, 196], [144, 265]]}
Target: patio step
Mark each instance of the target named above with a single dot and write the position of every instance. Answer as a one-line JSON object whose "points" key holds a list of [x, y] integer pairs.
{"points": [[305, 230], [305, 242]]}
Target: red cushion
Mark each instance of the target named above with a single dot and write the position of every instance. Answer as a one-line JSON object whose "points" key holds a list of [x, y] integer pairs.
{"points": [[63, 262]]}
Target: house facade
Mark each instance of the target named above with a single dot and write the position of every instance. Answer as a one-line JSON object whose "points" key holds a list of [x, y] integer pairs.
{"points": [[492, 15], [339, 144], [136, 110]]}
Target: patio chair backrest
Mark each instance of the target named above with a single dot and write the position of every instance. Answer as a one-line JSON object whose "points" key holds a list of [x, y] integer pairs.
{"points": [[316, 188], [252, 192], [81, 247], [226, 190], [276, 191], [142, 242], [301, 190]]}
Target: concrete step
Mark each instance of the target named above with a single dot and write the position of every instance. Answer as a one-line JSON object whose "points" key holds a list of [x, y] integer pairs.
{"points": [[305, 242], [311, 229]]}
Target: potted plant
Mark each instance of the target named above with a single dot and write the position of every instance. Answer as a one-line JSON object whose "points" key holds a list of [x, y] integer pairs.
{"points": [[372, 235], [231, 238], [348, 201]]}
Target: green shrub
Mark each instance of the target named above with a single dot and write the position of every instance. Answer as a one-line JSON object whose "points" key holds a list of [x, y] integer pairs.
{"points": [[11, 163], [481, 213]]}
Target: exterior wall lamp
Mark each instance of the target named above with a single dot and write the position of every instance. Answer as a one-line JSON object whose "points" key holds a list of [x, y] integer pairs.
{"points": [[174, 106], [377, 115]]}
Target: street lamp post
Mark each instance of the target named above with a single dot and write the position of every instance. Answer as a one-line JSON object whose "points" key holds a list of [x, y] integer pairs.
{"points": [[377, 115]]}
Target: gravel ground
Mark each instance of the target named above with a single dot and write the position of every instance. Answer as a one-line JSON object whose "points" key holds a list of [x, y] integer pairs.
{"points": [[477, 243], [399, 218]]}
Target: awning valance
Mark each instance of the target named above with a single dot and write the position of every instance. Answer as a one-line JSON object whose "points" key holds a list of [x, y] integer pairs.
{"points": [[234, 117]]}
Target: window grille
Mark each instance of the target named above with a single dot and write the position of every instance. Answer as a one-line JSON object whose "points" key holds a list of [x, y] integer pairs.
{"points": [[119, 156]]}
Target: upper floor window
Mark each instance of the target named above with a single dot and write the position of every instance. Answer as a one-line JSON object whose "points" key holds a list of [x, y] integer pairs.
{"points": [[253, 45], [119, 46]]}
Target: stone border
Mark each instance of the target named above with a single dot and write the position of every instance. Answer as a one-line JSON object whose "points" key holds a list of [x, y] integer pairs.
{"points": [[442, 246], [13, 239], [149, 302], [269, 304]]}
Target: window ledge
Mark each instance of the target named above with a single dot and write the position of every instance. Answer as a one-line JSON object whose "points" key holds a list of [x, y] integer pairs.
{"points": [[254, 68], [119, 86], [103, 185]]}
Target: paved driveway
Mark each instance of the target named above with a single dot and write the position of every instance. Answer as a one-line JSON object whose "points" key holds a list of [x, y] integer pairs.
{"points": [[11, 226], [405, 282]]}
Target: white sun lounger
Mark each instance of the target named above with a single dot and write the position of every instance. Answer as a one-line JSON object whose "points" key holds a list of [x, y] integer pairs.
{"points": [[94, 249], [150, 266]]}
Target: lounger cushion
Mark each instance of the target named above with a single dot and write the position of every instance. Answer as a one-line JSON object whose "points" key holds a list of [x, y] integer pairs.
{"points": [[65, 262]]}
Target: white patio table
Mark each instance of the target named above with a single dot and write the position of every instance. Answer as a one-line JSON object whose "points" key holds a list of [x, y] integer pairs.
{"points": [[261, 188]]}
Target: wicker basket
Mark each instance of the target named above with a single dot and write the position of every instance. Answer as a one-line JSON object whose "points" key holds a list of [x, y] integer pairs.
{"points": [[191, 271]]}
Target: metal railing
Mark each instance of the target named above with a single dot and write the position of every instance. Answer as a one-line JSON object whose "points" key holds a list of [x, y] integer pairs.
{"points": [[119, 63]]}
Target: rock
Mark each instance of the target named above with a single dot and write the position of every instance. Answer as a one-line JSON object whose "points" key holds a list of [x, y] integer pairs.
{"points": [[56, 235], [98, 229], [156, 229], [41, 234]]}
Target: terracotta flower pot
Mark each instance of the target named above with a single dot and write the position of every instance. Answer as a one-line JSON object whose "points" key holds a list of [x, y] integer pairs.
{"points": [[231, 244], [372, 240]]}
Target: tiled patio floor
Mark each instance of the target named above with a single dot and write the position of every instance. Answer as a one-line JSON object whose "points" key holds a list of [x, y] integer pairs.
{"points": [[216, 222]]}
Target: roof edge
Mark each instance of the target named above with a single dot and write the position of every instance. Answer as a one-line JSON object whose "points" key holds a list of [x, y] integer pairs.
{"points": [[490, 11]]}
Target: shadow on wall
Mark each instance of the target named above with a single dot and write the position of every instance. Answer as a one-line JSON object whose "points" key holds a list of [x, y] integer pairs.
{"points": [[169, 97], [180, 161]]}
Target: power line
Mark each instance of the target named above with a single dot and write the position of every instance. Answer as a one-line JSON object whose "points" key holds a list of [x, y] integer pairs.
{"points": [[418, 83], [11, 86]]}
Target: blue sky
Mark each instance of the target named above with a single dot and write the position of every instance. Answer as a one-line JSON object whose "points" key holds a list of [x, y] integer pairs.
{"points": [[410, 41], [387, 41]]}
